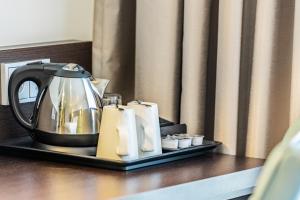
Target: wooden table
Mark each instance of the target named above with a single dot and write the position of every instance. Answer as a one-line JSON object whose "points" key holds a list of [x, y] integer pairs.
{"points": [[32, 179]]}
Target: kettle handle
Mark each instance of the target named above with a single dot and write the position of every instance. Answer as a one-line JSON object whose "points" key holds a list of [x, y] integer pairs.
{"points": [[40, 74]]}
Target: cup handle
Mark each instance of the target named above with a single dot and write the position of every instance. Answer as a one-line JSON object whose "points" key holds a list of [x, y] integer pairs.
{"points": [[148, 140], [122, 148]]}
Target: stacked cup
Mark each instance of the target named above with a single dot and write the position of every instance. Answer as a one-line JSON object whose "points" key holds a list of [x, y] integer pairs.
{"points": [[129, 132], [117, 139], [147, 127]]}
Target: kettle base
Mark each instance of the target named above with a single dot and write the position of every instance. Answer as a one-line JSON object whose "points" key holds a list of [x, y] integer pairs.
{"points": [[86, 151], [66, 140]]}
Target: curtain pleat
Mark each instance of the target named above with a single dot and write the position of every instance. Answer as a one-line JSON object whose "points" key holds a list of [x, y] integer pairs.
{"points": [[158, 54], [235, 73], [228, 64], [114, 45], [246, 58], [194, 55], [295, 84], [271, 76]]}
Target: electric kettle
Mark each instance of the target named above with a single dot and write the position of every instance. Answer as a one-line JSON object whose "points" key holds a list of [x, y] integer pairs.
{"points": [[68, 107]]}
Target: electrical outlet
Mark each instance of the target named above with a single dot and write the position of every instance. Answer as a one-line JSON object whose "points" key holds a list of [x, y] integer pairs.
{"points": [[27, 91]]}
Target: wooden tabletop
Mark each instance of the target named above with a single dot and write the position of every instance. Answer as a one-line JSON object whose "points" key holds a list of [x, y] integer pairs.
{"points": [[33, 179]]}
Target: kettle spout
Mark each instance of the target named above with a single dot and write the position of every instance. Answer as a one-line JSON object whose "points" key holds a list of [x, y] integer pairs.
{"points": [[100, 85]]}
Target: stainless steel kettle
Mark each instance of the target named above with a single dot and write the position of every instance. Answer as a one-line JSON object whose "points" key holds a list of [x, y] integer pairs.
{"points": [[68, 108]]}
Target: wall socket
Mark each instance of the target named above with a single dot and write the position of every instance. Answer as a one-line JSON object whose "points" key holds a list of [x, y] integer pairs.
{"points": [[27, 91]]}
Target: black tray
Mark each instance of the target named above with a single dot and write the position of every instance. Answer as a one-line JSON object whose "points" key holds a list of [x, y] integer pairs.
{"points": [[23, 147]]}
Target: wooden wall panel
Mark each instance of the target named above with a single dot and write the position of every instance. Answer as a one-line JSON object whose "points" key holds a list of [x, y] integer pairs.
{"points": [[66, 51]]}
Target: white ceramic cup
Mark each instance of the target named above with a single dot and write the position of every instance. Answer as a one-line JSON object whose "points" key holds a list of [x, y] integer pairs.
{"points": [[118, 137], [148, 129]]}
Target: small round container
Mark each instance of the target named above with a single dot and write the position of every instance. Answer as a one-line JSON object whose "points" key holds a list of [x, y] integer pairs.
{"points": [[197, 140], [169, 143], [184, 143]]}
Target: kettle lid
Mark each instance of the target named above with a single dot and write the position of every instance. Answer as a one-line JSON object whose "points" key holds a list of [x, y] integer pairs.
{"points": [[72, 70]]}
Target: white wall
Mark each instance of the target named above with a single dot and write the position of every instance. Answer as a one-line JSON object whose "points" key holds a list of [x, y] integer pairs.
{"points": [[31, 21]]}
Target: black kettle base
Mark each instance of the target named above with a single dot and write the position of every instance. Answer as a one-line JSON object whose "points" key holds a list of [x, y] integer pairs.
{"points": [[85, 151], [66, 140]]}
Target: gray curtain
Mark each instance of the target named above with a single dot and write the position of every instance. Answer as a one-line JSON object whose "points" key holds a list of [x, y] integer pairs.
{"points": [[225, 68]]}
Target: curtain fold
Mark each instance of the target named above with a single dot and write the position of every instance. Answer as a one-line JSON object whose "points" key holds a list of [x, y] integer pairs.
{"points": [[158, 54], [240, 72], [295, 82], [271, 76], [228, 62], [194, 61], [114, 44]]}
